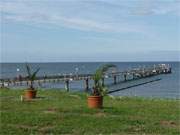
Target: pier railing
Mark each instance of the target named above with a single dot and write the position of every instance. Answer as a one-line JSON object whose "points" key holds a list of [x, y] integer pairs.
{"points": [[136, 73]]}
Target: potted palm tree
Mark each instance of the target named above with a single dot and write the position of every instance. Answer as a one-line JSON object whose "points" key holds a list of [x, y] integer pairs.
{"points": [[95, 100], [31, 92]]}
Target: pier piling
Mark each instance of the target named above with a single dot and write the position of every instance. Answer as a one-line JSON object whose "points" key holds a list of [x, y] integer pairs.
{"points": [[67, 85], [87, 84], [115, 79], [125, 77], [103, 84]]}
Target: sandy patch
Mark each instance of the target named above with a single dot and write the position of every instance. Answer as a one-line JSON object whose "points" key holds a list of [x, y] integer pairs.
{"points": [[46, 129], [170, 124], [51, 110]]}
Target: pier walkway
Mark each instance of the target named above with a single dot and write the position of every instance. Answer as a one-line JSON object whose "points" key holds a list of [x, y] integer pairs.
{"points": [[133, 74]]}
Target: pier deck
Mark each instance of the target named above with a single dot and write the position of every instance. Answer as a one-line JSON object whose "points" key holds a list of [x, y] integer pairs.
{"points": [[136, 73]]}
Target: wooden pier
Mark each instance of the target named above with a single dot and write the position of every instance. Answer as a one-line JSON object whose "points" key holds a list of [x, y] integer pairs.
{"points": [[133, 74]]}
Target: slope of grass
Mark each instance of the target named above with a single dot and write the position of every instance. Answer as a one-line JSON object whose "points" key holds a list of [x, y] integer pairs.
{"points": [[57, 112]]}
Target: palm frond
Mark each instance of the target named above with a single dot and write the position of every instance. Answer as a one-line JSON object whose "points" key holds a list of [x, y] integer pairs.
{"points": [[33, 77], [97, 77], [28, 70], [106, 67], [100, 71]]}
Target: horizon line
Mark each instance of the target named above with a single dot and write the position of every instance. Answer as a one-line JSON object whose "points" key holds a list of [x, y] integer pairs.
{"points": [[85, 61]]}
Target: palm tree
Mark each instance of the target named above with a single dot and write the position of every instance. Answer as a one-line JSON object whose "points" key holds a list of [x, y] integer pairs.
{"points": [[31, 76], [98, 88]]}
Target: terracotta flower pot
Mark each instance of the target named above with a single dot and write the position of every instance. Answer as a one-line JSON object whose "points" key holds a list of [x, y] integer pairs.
{"points": [[95, 101], [30, 94]]}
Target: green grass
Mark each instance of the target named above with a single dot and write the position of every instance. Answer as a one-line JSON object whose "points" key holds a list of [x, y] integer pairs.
{"points": [[58, 112]]}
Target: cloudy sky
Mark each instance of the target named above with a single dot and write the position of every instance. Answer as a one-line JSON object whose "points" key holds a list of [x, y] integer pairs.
{"points": [[89, 30]]}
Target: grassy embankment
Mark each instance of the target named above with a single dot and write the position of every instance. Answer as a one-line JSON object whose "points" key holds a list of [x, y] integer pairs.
{"points": [[58, 112]]}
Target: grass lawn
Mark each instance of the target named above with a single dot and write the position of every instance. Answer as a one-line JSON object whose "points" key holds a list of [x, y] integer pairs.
{"points": [[58, 112]]}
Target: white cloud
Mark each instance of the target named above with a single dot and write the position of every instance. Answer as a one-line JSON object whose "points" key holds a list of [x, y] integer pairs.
{"points": [[156, 7], [81, 15], [147, 7]]}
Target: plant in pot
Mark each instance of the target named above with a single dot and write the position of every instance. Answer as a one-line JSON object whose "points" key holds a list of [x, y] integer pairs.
{"points": [[95, 100], [31, 91]]}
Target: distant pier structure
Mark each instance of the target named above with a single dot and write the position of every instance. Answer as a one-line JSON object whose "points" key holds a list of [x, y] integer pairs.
{"points": [[133, 74]]}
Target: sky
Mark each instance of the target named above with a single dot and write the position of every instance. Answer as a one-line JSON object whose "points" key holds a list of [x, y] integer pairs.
{"points": [[89, 30]]}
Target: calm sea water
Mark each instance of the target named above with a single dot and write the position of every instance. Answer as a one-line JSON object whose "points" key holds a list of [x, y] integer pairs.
{"points": [[167, 87]]}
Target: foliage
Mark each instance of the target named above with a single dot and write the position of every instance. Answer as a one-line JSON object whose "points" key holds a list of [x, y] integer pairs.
{"points": [[99, 88], [31, 76]]}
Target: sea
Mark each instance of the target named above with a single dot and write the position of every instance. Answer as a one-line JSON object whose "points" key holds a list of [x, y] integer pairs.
{"points": [[167, 87]]}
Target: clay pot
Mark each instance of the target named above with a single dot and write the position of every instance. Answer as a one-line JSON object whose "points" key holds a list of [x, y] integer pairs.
{"points": [[30, 94], [95, 101]]}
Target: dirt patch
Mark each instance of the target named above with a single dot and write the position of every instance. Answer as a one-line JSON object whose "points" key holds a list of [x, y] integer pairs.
{"points": [[28, 127], [135, 117], [51, 110], [75, 96], [170, 124], [46, 129], [100, 114], [136, 128]]}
